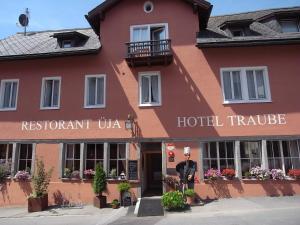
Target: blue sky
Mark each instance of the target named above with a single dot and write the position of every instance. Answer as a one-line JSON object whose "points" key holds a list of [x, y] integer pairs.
{"points": [[60, 14]]}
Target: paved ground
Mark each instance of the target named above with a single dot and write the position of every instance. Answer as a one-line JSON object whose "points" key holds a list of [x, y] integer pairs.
{"points": [[241, 211]]}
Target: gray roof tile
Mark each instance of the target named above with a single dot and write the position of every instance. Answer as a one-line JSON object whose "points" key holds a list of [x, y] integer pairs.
{"points": [[42, 43]]}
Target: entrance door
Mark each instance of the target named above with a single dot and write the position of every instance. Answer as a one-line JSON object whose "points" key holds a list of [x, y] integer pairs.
{"points": [[154, 171]]}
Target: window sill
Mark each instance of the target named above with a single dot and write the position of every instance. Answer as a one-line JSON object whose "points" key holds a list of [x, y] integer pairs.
{"points": [[71, 179], [247, 102], [149, 105], [95, 107], [22, 180], [49, 108], [7, 109]]}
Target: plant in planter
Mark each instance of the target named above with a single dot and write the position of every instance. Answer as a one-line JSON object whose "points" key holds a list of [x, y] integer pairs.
{"points": [[75, 175], [259, 173], [173, 200], [294, 173], [89, 174], [228, 173], [247, 175], [38, 200], [22, 175], [67, 173], [115, 204], [277, 174], [113, 173], [99, 186], [213, 174], [190, 196], [124, 188]]}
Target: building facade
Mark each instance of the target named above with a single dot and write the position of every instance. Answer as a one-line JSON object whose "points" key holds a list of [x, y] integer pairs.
{"points": [[148, 79]]}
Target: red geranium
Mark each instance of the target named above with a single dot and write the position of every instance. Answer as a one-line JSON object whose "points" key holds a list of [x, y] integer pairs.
{"points": [[229, 173], [294, 173]]}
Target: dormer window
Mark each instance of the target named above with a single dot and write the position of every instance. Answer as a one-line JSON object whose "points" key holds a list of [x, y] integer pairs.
{"points": [[290, 26], [66, 44], [70, 39], [238, 32]]}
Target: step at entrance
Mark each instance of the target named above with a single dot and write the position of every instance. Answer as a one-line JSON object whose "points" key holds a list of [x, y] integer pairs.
{"points": [[149, 207]]}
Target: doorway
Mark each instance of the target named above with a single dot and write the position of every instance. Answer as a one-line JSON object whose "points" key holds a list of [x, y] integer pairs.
{"points": [[152, 169]]}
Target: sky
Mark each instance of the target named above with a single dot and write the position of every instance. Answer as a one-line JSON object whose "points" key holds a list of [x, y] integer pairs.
{"points": [[62, 14]]}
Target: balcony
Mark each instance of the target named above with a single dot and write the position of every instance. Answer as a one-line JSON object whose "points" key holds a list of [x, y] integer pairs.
{"points": [[149, 53]]}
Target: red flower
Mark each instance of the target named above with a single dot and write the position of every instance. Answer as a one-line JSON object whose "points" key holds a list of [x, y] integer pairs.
{"points": [[294, 173], [228, 172]]}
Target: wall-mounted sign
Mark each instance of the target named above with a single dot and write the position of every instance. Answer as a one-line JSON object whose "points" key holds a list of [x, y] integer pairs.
{"points": [[170, 146], [102, 123], [233, 120]]}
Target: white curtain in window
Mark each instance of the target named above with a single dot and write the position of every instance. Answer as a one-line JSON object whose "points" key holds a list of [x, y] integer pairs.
{"points": [[47, 93], [55, 91], [145, 89], [227, 85], [289, 26], [140, 34], [251, 84], [91, 91], [100, 91], [154, 89], [237, 85], [6, 97], [261, 90]]}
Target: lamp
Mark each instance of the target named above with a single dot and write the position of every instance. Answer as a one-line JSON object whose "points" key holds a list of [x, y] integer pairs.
{"points": [[129, 123]]}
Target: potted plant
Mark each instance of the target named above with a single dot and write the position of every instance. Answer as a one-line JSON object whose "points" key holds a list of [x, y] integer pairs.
{"points": [[115, 204], [173, 200], [113, 174], [228, 173], [294, 173], [277, 174], [124, 188], [213, 174], [67, 173], [190, 196], [99, 186], [89, 174], [247, 175], [75, 175], [22, 175], [38, 200], [259, 173]]}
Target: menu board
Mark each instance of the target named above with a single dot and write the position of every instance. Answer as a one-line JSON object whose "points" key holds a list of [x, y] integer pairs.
{"points": [[132, 170]]}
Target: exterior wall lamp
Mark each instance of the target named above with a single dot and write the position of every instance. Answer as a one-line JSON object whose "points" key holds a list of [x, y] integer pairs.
{"points": [[129, 123]]}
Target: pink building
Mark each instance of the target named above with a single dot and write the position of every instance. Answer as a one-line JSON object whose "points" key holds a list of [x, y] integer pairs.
{"points": [[225, 86]]}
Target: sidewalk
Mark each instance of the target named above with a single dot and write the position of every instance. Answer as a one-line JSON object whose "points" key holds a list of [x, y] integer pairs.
{"points": [[107, 215]]}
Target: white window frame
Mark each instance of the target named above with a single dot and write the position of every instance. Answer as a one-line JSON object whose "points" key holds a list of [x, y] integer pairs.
{"points": [[244, 85], [153, 73], [117, 159], [42, 93], [288, 20], [149, 26], [2, 85], [86, 91], [66, 43]]}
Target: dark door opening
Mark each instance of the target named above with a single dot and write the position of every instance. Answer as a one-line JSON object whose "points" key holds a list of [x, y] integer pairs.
{"points": [[152, 172]]}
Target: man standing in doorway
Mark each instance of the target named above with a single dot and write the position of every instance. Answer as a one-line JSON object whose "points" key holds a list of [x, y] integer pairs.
{"points": [[186, 170]]}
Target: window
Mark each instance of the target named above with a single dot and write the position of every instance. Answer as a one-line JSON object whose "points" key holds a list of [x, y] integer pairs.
{"points": [[95, 91], [6, 151], [250, 155], [25, 157], [149, 32], [50, 93], [94, 155], [290, 26], [150, 89], [291, 154], [8, 94], [117, 158], [245, 85], [72, 157], [66, 44], [237, 32], [274, 155], [218, 155]]}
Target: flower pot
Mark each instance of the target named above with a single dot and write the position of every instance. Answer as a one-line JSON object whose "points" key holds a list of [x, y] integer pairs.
{"points": [[38, 204], [190, 200], [100, 202], [115, 206]]}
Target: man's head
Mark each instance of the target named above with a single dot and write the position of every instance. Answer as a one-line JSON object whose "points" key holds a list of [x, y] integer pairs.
{"points": [[186, 152]]}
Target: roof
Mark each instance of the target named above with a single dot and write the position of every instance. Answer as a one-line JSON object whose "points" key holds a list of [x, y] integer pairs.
{"points": [[95, 16], [214, 36], [45, 44]]}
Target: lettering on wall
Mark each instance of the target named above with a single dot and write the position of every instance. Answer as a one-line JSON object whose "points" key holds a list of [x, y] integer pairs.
{"points": [[233, 121], [102, 124]]}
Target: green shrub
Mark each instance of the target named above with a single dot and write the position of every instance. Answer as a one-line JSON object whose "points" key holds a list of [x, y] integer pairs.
{"points": [[189, 193], [99, 182], [41, 179], [124, 186], [173, 200], [115, 202]]}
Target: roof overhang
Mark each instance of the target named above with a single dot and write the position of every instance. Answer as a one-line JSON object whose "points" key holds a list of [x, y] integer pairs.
{"points": [[95, 16]]}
